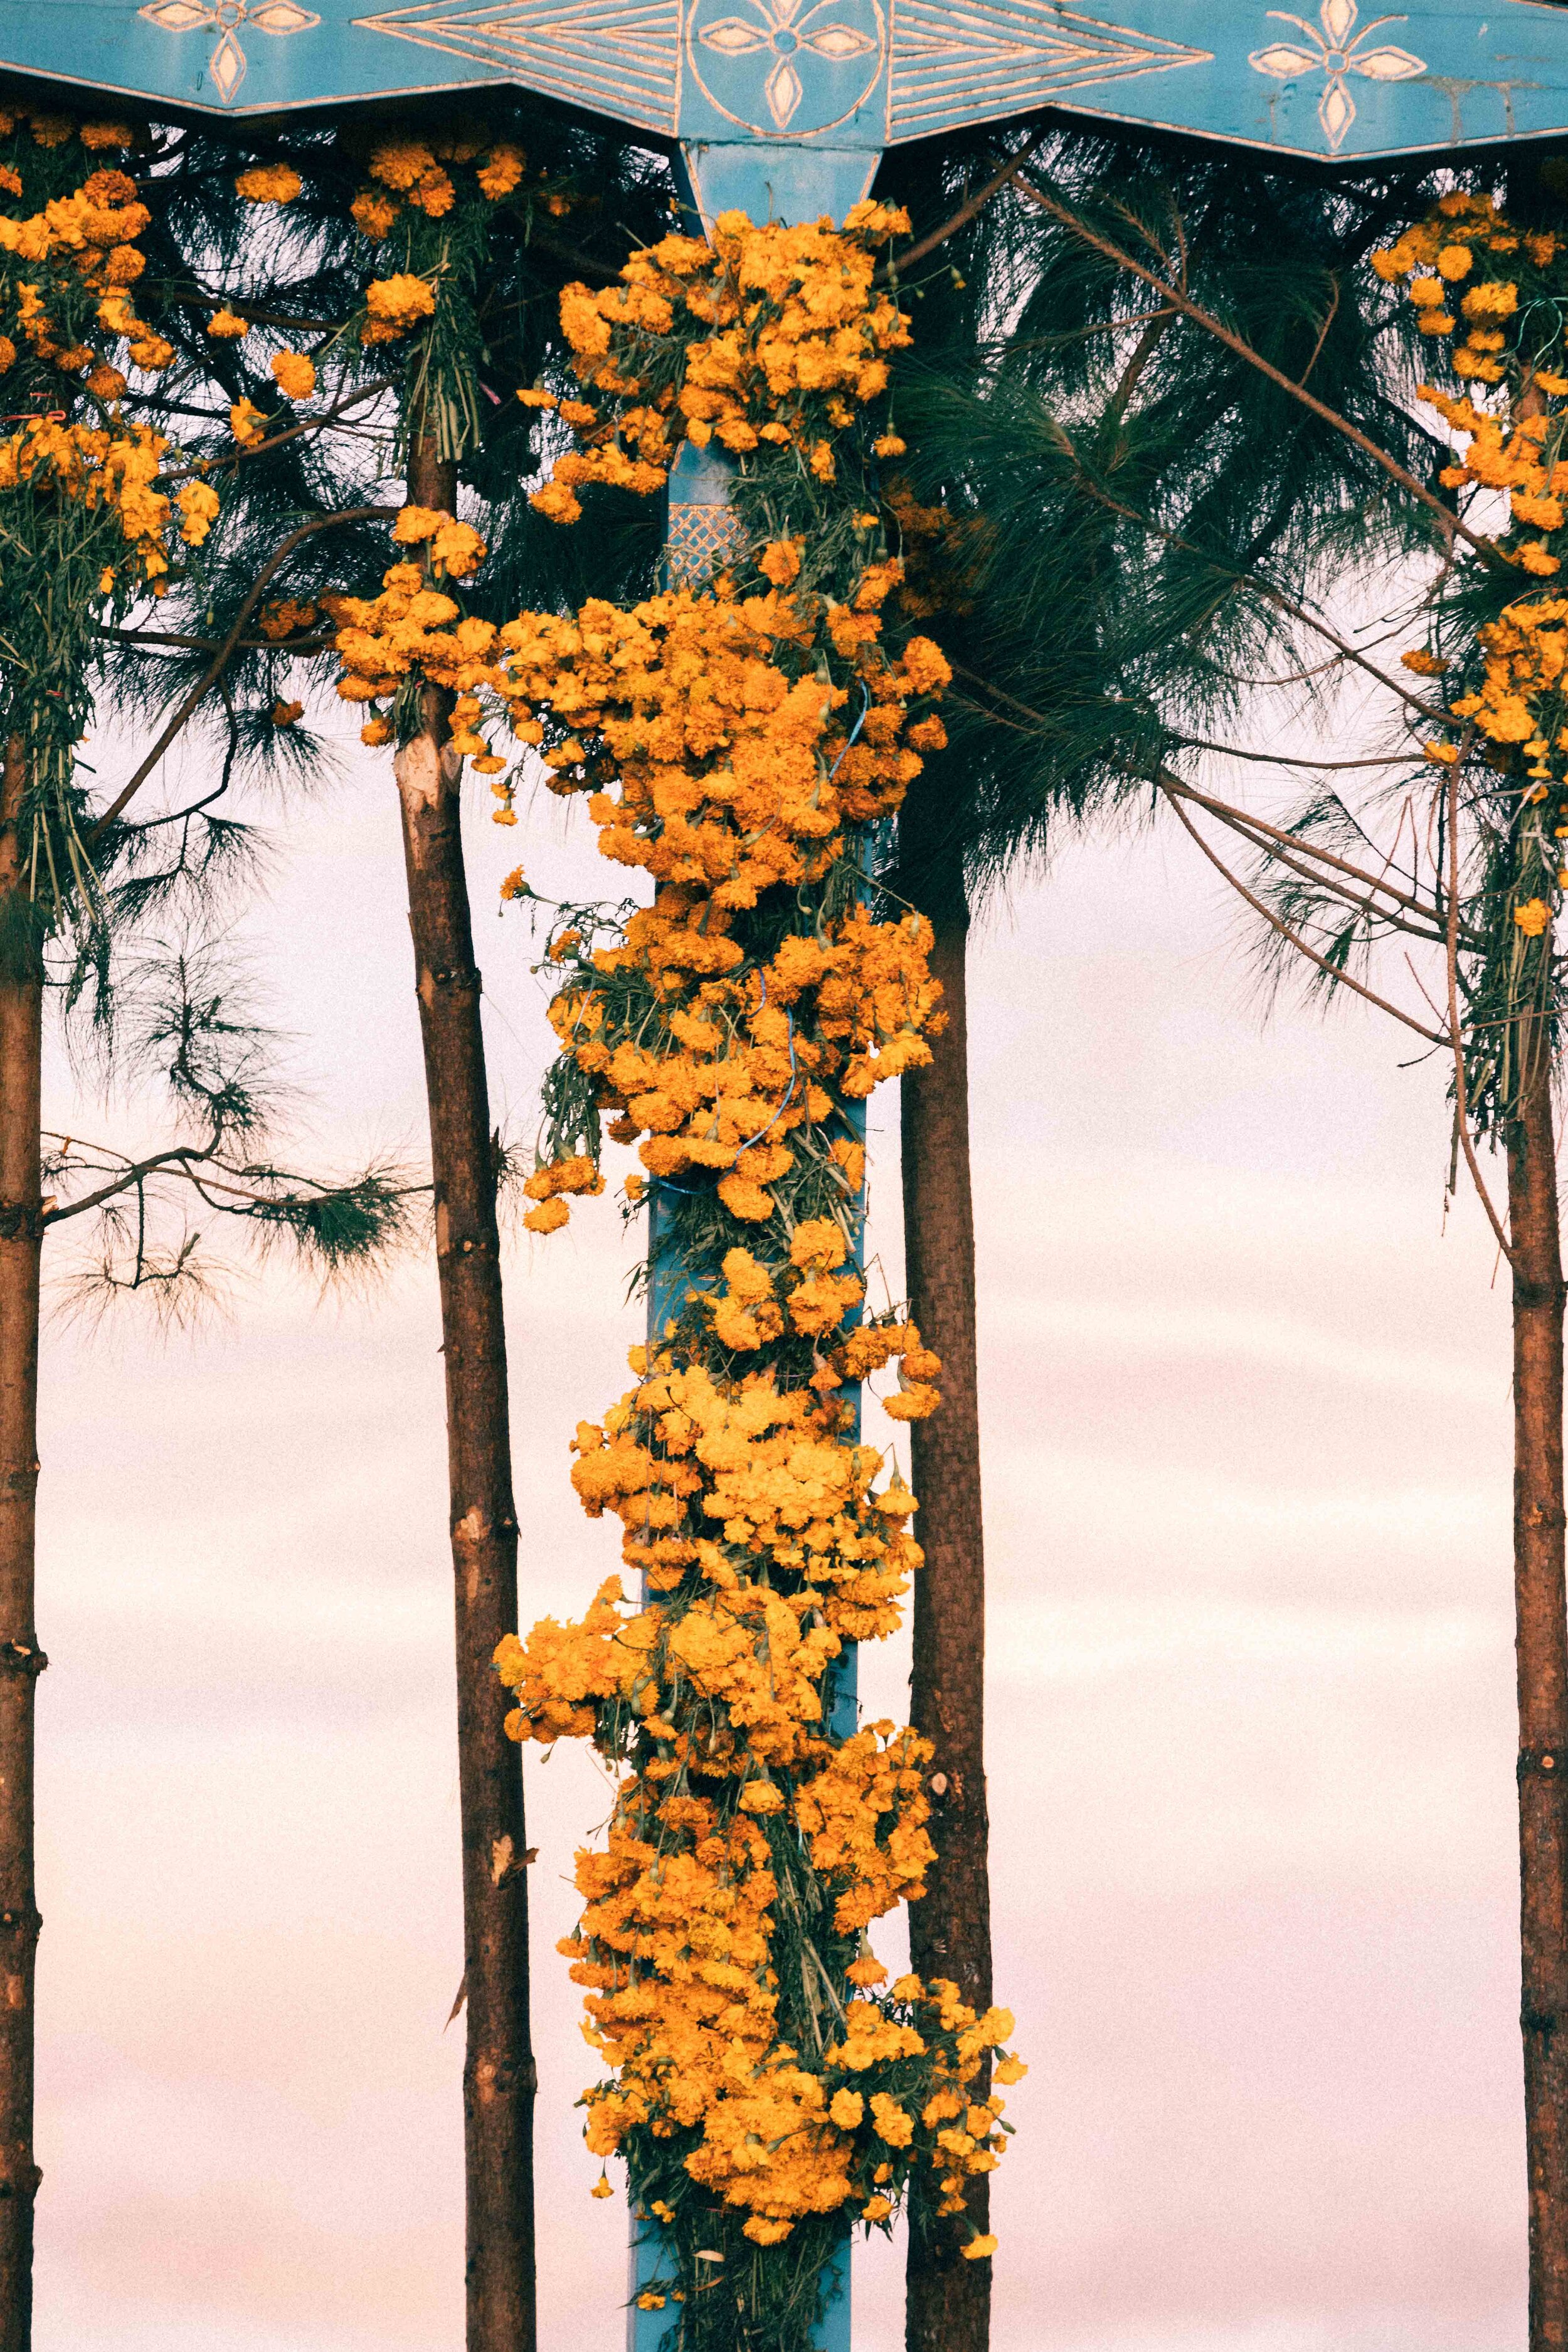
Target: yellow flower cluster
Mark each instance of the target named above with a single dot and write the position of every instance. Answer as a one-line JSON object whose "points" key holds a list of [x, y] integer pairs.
{"points": [[115, 472], [699, 1466], [58, 129], [412, 172], [721, 758], [287, 616], [78, 247], [85, 518], [548, 1184], [685, 1901], [764, 1534], [678, 1946], [415, 631], [1513, 698], [772, 336], [396, 305], [1467, 242], [739, 746], [295, 373], [269, 183], [64, 272]]}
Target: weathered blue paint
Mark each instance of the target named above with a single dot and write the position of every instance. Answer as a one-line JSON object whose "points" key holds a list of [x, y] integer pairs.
{"points": [[768, 181], [656, 2331], [803, 95]]}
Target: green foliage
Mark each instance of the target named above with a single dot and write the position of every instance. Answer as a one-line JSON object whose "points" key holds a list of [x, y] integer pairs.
{"points": [[1145, 506], [188, 1021], [298, 273]]}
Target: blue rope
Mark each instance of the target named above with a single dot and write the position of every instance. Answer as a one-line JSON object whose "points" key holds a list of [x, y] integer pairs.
{"points": [[854, 732]]}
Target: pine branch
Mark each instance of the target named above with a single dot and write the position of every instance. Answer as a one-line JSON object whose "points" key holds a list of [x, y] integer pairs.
{"points": [[1451, 524], [220, 660], [966, 212], [292, 433], [1336, 975]]}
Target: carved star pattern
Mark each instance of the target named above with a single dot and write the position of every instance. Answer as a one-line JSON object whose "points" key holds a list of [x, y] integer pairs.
{"points": [[1334, 53], [741, 37], [227, 64]]}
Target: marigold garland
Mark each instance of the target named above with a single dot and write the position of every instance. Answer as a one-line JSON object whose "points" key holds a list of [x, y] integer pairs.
{"points": [[1504, 682], [771, 337], [87, 526], [741, 745]]}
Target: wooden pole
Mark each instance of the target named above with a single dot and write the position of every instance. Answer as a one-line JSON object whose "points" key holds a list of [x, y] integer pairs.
{"points": [[949, 2297], [499, 2075], [1541, 1623], [21, 1661]]}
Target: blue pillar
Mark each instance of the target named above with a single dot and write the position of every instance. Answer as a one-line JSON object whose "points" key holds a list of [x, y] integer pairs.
{"points": [[770, 183], [657, 2331]]}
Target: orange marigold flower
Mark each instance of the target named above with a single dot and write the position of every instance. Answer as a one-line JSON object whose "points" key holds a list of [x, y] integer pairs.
{"points": [[248, 423], [295, 373], [269, 183]]}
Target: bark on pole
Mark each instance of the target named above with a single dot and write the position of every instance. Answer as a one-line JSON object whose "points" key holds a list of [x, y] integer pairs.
{"points": [[1541, 1620], [498, 2077], [948, 2306], [21, 1238]]}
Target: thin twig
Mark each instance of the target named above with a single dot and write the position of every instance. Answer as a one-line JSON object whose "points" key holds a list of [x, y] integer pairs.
{"points": [[296, 647], [1461, 1107], [1228, 813], [201, 301], [1410, 968], [1286, 760], [1231, 815], [965, 214], [1333, 313], [184, 1160], [1239, 825], [1263, 588], [219, 662], [292, 433], [133, 1173], [1143, 353], [1340, 978], [1006, 346]]}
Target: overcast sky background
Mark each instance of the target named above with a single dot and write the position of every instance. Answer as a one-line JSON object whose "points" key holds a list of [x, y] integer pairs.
{"points": [[1247, 1458]]}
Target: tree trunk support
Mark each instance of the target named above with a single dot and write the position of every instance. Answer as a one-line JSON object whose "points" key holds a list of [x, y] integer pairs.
{"points": [[1543, 1658], [21, 1660], [498, 2075], [949, 2297]]}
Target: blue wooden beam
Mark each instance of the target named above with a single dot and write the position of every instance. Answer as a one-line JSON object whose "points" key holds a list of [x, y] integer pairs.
{"points": [[840, 81]]}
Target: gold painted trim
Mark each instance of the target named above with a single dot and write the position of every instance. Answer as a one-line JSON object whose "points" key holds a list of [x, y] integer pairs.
{"points": [[551, 53], [1019, 72]]}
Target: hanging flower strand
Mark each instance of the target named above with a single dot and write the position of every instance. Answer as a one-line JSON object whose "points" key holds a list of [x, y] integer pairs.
{"points": [[88, 529], [1493, 301], [742, 742]]}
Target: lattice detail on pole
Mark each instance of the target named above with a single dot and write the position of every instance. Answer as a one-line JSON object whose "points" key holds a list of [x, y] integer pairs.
{"points": [[701, 541]]}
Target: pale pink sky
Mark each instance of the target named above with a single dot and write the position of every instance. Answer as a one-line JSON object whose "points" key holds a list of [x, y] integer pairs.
{"points": [[1247, 1431]]}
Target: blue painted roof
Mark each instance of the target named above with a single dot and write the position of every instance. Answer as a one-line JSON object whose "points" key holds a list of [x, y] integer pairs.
{"points": [[1339, 81]]}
